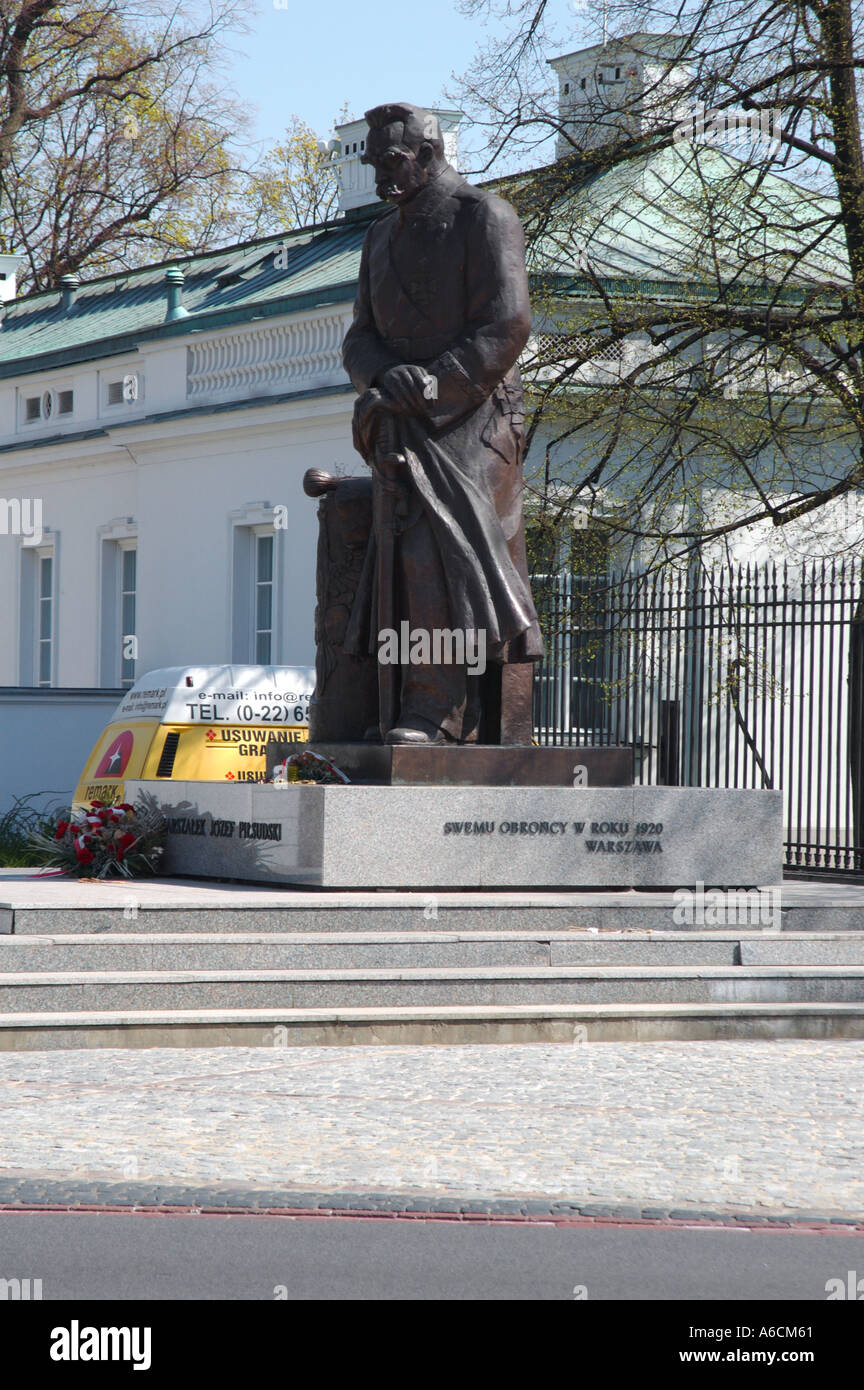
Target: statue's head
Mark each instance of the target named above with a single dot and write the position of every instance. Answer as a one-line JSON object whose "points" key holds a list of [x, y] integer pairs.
{"points": [[405, 148]]}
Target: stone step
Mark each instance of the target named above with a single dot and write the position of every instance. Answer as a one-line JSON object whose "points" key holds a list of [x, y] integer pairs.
{"points": [[128, 951], [429, 987], [54, 907], [172, 963], [805, 948], [582, 1024]]}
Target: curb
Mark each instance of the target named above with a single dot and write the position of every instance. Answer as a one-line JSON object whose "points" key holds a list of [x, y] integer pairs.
{"points": [[36, 1194]]}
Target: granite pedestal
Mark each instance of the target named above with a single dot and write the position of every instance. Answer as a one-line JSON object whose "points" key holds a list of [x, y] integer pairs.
{"points": [[480, 765], [471, 837]]}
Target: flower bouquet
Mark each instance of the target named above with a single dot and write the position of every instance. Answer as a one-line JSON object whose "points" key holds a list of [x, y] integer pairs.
{"points": [[103, 841], [307, 767]]}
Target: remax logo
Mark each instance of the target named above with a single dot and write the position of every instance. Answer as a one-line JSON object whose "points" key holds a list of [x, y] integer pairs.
{"points": [[116, 756]]}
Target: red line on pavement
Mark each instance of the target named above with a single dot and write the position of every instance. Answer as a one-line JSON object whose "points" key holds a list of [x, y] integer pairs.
{"points": [[465, 1218]]}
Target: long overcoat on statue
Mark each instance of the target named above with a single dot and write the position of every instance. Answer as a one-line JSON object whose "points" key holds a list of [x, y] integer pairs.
{"points": [[443, 286]]}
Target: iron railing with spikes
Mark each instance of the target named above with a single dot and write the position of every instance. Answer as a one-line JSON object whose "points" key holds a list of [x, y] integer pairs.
{"points": [[732, 676]]}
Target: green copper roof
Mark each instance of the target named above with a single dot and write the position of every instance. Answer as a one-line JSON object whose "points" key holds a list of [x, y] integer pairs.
{"points": [[692, 214], [277, 274], [642, 225]]}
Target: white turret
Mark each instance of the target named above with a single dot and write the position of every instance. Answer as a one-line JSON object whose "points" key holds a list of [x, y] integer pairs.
{"points": [[619, 89]]}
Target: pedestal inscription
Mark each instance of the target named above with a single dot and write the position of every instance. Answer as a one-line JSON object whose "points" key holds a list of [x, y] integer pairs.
{"points": [[472, 837]]}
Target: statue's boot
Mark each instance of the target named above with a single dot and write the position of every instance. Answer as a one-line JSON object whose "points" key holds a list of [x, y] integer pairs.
{"points": [[419, 733]]}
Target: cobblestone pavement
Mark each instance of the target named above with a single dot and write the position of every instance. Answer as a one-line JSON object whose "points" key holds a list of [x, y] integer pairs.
{"points": [[772, 1126], [745, 1126]]}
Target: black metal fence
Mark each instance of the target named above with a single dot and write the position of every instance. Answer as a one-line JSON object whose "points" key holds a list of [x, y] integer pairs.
{"points": [[738, 676]]}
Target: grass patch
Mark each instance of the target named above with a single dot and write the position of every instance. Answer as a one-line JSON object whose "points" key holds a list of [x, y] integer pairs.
{"points": [[16, 826]]}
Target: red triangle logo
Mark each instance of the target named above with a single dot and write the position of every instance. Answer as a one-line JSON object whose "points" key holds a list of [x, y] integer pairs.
{"points": [[116, 756]]}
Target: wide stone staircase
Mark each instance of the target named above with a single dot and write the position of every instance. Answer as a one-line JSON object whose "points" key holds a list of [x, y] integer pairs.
{"points": [[343, 969]]}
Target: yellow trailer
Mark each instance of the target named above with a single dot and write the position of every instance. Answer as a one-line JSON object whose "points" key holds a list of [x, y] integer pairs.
{"points": [[198, 724]]}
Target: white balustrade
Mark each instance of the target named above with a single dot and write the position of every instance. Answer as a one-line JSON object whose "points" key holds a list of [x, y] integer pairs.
{"points": [[298, 355]]}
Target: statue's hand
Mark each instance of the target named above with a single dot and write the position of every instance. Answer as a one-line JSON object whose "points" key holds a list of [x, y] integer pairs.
{"points": [[367, 413], [409, 389]]}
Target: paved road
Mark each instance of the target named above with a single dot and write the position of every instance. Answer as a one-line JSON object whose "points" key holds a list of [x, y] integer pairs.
{"points": [[103, 1256], [772, 1127]]}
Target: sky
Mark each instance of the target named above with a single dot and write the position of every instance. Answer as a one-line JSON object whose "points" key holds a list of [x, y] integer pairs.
{"points": [[312, 56]]}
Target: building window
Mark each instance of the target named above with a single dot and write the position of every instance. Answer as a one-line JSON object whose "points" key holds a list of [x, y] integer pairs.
{"points": [[263, 599], [542, 545], [566, 89], [128, 592], [125, 390], [257, 585], [569, 568], [37, 628], [590, 636], [45, 618], [47, 405], [118, 618]]}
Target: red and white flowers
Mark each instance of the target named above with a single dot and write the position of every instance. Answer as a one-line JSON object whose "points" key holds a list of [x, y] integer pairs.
{"points": [[103, 840]]}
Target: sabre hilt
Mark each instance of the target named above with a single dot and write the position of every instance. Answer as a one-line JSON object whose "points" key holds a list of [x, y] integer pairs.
{"points": [[390, 462], [387, 440]]}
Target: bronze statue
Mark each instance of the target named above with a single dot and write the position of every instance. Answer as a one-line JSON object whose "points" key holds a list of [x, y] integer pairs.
{"points": [[441, 316]]}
